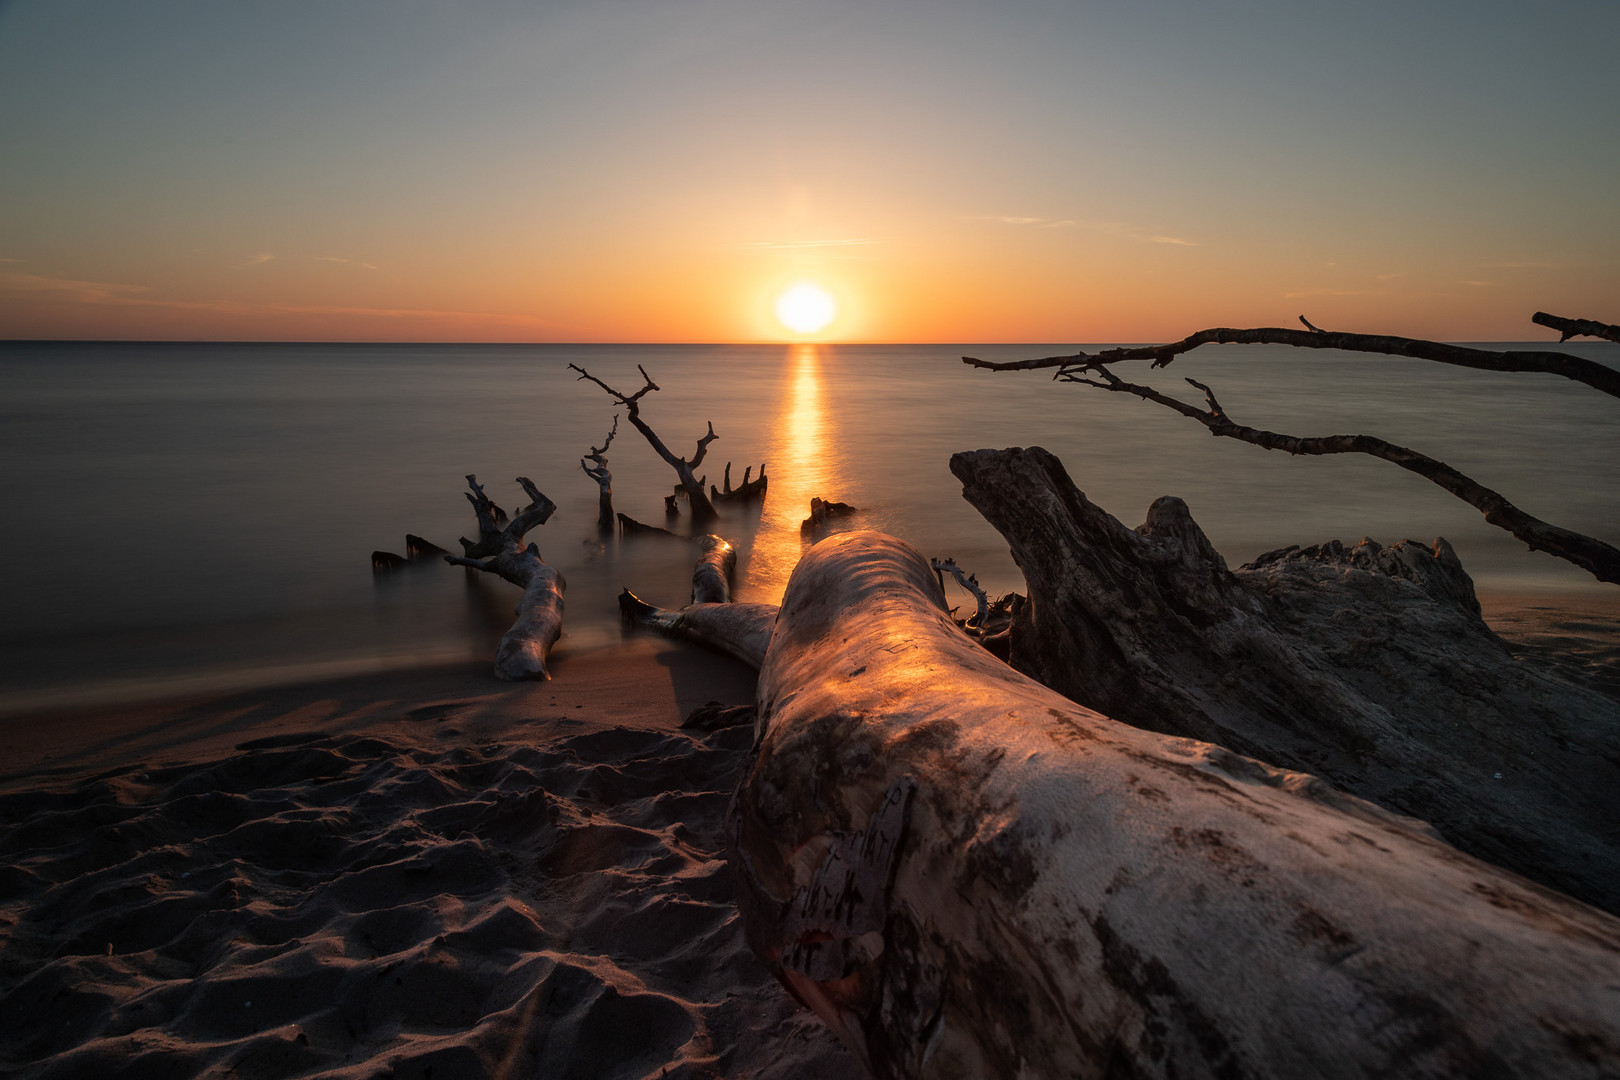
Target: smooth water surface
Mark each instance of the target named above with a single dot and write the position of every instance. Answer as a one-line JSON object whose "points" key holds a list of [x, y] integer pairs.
{"points": [[205, 513]]}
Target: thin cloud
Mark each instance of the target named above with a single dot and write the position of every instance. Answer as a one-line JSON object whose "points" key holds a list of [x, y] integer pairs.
{"points": [[88, 292], [1302, 293], [1480, 284], [1111, 228], [853, 241], [261, 257], [1527, 265], [110, 294], [351, 262]]}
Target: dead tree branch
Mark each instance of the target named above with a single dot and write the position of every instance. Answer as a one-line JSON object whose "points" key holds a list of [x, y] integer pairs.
{"points": [[1593, 374], [603, 478], [970, 582], [684, 468], [500, 550], [1594, 556], [1576, 327]]}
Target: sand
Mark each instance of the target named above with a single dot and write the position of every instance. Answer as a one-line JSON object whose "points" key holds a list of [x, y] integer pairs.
{"points": [[424, 874], [428, 874]]}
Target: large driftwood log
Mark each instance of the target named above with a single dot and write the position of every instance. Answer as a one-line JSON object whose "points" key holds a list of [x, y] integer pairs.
{"points": [[500, 550], [1370, 667], [966, 874], [685, 469]]}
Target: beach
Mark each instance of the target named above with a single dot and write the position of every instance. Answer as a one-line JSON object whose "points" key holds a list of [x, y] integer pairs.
{"points": [[424, 873], [427, 873]]}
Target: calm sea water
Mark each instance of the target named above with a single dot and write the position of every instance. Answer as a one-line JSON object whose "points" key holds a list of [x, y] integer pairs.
{"points": [[200, 514]]}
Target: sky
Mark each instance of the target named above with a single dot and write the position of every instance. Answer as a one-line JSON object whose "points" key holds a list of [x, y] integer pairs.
{"points": [[662, 170]]}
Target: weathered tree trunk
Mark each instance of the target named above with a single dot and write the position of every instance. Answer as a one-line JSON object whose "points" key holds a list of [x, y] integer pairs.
{"points": [[968, 875], [1370, 667], [500, 550]]}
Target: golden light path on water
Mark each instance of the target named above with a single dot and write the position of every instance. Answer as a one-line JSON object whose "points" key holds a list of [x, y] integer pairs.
{"points": [[800, 468]]}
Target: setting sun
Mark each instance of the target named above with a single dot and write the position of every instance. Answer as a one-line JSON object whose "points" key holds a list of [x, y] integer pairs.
{"points": [[806, 308]]}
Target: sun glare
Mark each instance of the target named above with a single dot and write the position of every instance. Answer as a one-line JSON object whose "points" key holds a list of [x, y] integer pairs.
{"points": [[806, 308]]}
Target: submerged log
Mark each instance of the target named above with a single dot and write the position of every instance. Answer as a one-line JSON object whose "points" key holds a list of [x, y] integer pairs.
{"points": [[500, 550], [966, 874], [747, 492], [711, 577], [1368, 666], [823, 513]]}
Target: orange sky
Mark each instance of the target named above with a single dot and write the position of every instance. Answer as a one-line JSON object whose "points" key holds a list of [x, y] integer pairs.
{"points": [[951, 172]]}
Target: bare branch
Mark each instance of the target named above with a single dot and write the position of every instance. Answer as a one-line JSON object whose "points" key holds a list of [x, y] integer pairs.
{"points": [[1594, 556], [1576, 327], [1593, 374], [686, 470], [1308, 326], [970, 582]]}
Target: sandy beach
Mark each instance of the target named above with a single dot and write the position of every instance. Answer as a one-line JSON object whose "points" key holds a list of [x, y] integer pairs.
{"points": [[425, 874]]}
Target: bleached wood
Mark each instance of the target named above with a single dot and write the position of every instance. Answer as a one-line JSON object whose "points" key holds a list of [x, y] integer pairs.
{"points": [[968, 875]]}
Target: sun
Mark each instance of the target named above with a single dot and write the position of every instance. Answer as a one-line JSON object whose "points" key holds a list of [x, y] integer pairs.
{"points": [[806, 308]]}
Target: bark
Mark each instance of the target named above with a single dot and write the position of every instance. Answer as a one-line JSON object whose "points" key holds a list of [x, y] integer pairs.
{"points": [[1593, 374], [604, 479], [1369, 666], [499, 550], [685, 469], [1597, 558], [966, 874]]}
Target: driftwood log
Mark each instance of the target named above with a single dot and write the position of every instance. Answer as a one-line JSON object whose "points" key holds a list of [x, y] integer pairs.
{"points": [[500, 550], [1368, 666], [966, 874], [711, 577]]}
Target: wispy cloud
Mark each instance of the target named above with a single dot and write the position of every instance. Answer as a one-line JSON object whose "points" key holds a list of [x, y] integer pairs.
{"points": [[1111, 228], [261, 257], [110, 294], [1480, 284], [6, 260], [88, 292], [1526, 264], [852, 241], [1302, 293], [351, 262]]}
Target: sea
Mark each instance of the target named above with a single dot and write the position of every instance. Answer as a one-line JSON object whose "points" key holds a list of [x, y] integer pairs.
{"points": [[197, 517]]}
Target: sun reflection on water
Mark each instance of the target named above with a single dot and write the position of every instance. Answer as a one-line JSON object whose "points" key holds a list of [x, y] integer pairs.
{"points": [[800, 464]]}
